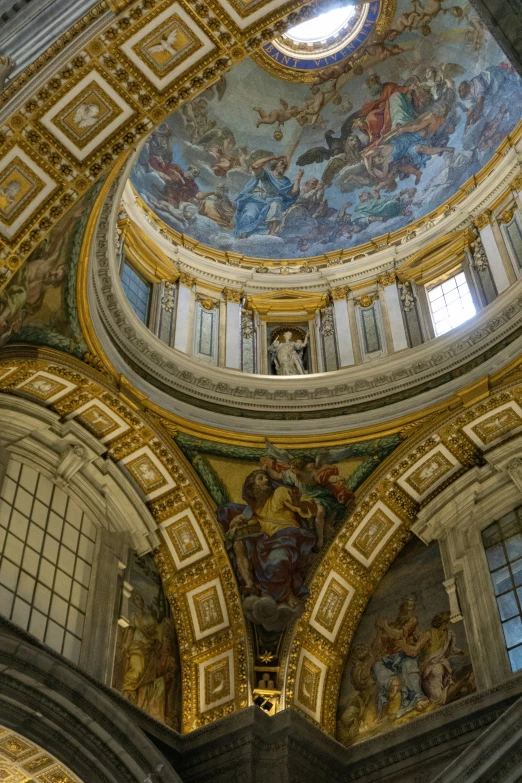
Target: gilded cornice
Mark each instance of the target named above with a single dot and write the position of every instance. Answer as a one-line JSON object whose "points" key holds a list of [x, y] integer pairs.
{"points": [[288, 301], [437, 258], [145, 256]]}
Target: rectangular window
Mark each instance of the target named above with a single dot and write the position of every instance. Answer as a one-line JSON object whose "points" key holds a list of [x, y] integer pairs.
{"points": [[450, 304], [46, 554], [137, 291], [503, 545]]}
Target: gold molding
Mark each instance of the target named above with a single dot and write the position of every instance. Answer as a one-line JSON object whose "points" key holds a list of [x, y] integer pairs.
{"points": [[484, 219], [388, 278], [507, 215], [234, 295], [437, 258], [145, 256], [187, 280], [285, 303], [366, 300], [340, 292], [183, 493]]}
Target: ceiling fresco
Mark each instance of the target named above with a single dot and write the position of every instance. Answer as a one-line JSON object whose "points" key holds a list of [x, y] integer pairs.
{"points": [[271, 169]]}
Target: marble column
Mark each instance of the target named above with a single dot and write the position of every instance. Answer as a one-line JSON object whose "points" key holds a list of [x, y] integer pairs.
{"points": [[489, 243], [393, 307], [184, 314], [342, 326], [233, 298]]}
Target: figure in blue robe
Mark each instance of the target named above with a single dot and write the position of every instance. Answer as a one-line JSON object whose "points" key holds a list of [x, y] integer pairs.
{"points": [[265, 197]]}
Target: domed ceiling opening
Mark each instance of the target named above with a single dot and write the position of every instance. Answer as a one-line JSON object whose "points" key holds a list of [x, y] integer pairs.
{"points": [[278, 162]]}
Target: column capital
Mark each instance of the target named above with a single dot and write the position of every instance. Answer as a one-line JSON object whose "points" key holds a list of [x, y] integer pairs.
{"points": [[516, 184], [234, 295], [484, 219], [341, 292], [387, 278], [186, 279]]}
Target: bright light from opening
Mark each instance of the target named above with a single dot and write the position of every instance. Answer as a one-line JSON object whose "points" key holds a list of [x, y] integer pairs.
{"points": [[451, 304], [321, 27]]}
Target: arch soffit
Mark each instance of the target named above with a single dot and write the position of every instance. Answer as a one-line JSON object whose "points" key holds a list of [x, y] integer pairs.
{"points": [[56, 707], [442, 446], [187, 543], [445, 447]]}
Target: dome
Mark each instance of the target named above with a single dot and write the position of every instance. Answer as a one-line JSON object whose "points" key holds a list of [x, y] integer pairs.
{"points": [[280, 161]]}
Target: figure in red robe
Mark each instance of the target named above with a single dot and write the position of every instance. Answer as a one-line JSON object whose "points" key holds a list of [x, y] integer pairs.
{"points": [[375, 119], [180, 185]]}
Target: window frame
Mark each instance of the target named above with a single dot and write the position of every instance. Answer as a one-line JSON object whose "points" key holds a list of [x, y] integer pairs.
{"points": [[439, 281]]}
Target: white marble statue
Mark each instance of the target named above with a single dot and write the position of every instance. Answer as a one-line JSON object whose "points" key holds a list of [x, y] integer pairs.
{"points": [[288, 360]]}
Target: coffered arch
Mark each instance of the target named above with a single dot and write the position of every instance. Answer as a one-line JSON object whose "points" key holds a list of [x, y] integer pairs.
{"points": [[99, 57], [187, 544], [443, 448]]}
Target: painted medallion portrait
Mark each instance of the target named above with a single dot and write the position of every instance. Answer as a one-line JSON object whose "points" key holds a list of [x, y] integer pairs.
{"points": [[272, 169]]}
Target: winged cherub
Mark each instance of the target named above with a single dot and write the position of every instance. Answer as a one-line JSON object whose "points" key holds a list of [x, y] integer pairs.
{"points": [[276, 115]]}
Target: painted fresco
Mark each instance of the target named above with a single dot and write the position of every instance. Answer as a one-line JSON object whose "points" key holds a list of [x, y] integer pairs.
{"points": [[406, 658], [38, 306], [146, 666], [277, 510], [271, 169]]}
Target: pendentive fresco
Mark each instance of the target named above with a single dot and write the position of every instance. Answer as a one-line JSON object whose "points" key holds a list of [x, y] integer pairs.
{"points": [[406, 659], [272, 169], [146, 666]]}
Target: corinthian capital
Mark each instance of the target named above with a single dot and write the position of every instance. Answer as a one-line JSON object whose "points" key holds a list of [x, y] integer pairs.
{"points": [[481, 221], [186, 279], [233, 295], [341, 292]]}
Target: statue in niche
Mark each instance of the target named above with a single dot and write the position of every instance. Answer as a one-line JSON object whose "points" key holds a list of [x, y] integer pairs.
{"points": [[288, 353]]}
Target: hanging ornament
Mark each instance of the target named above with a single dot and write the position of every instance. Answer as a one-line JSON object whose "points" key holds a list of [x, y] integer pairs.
{"points": [[278, 133]]}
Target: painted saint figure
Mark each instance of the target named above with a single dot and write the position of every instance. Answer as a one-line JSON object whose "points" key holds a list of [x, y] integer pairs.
{"points": [[265, 197], [288, 359], [270, 544]]}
